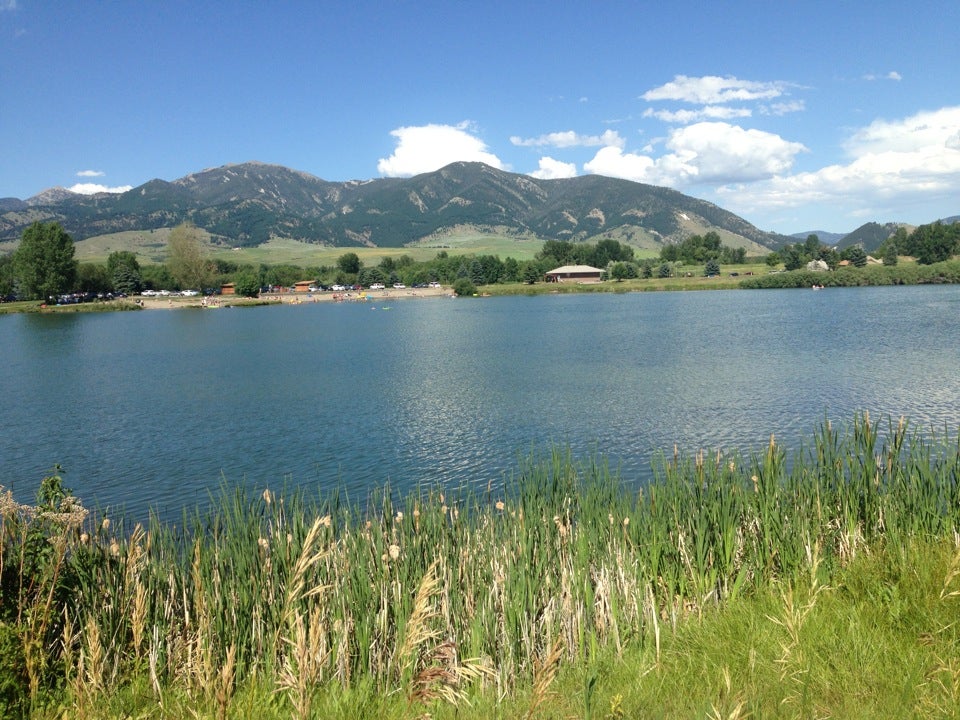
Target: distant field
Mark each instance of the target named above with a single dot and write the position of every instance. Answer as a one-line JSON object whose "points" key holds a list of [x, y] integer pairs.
{"points": [[150, 248]]}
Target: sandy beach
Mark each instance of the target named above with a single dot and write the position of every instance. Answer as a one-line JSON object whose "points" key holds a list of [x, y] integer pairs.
{"points": [[289, 298]]}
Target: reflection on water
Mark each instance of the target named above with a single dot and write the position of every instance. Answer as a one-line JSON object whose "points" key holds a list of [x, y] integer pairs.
{"points": [[155, 408]]}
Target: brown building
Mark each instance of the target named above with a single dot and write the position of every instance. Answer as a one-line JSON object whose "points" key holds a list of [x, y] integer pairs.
{"points": [[574, 273]]}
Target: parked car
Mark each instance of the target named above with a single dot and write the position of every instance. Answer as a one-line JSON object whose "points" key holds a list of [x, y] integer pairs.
{"points": [[399, 286], [378, 286]]}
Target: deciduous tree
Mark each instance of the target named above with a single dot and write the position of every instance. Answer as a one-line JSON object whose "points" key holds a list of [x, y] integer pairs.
{"points": [[187, 258], [43, 263]]}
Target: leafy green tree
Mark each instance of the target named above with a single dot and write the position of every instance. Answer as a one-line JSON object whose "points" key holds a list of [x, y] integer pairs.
{"points": [[668, 253], [646, 272], [93, 278], [43, 263], [124, 272], [157, 277], [532, 272], [934, 243], [664, 271], [349, 263], [370, 275], [772, 259], [623, 271], [187, 258], [511, 270], [6, 275], [556, 253], [246, 282], [711, 268]]}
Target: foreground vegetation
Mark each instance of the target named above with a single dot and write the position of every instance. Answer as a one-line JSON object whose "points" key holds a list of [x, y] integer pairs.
{"points": [[824, 582]]}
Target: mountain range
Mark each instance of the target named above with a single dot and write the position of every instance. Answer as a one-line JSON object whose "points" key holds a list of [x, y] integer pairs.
{"points": [[248, 204]]}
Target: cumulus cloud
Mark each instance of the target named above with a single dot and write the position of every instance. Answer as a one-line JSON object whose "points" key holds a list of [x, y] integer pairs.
{"points": [[613, 162], [551, 169], [94, 188], [714, 90], [708, 112], [703, 153], [90, 173], [569, 138], [917, 157], [425, 148]]}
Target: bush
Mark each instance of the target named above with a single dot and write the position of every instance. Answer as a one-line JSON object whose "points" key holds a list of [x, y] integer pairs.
{"points": [[463, 287]]}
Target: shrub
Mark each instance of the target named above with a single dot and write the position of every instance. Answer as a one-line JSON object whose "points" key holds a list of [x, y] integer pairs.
{"points": [[463, 287]]}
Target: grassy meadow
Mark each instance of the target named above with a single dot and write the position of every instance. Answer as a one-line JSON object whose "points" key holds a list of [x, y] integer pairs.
{"points": [[823, 582], [150, 248]]}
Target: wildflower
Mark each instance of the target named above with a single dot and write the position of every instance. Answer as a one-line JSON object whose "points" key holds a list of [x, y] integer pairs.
{"points": [[731, 466], [500, 505], [626, 521], [399, 516], [394, 551], [114, 548], [263, 543], [267, 496], [105, 525], [84, 538]]}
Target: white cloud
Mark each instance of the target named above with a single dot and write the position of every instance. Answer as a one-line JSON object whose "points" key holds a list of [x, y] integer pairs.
{"points": [[923, 130], [90, 173], [93, 188], [425, 148], [722, 152], [703, 153], [8, 5], [551, 169], [714, 90], [891, 162], [613, 162], [892, 75], [783, 108], [708, 112], [569, 138]]}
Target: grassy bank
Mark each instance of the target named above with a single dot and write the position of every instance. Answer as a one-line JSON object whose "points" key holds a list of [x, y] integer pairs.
{"points": [[772, 584]]}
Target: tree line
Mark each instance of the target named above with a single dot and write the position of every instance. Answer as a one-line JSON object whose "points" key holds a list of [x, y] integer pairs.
{"points": [[928, 244]]}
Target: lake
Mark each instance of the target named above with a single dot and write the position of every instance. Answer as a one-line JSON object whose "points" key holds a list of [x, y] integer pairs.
{"points": [[158, 408]]}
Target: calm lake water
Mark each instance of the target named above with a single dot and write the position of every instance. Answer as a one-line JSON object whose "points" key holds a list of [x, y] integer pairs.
{"points": [[155, 409]]}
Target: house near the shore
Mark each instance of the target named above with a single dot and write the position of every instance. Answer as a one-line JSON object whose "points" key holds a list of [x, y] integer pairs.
{"points": [[302, 286], [228, 289], [574, 273]]}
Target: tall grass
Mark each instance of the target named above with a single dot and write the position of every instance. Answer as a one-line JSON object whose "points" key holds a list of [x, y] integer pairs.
{"points": [[438, 595]]}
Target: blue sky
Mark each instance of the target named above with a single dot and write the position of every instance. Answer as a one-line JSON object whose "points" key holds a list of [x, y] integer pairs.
{"points": [[796, 115]]}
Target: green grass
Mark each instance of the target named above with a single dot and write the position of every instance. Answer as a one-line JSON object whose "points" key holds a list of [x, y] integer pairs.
{"points": [[770, 584], [150, 248]]}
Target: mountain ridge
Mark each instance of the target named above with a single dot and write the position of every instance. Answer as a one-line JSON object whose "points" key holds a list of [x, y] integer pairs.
{"points": [[247, 204]]}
